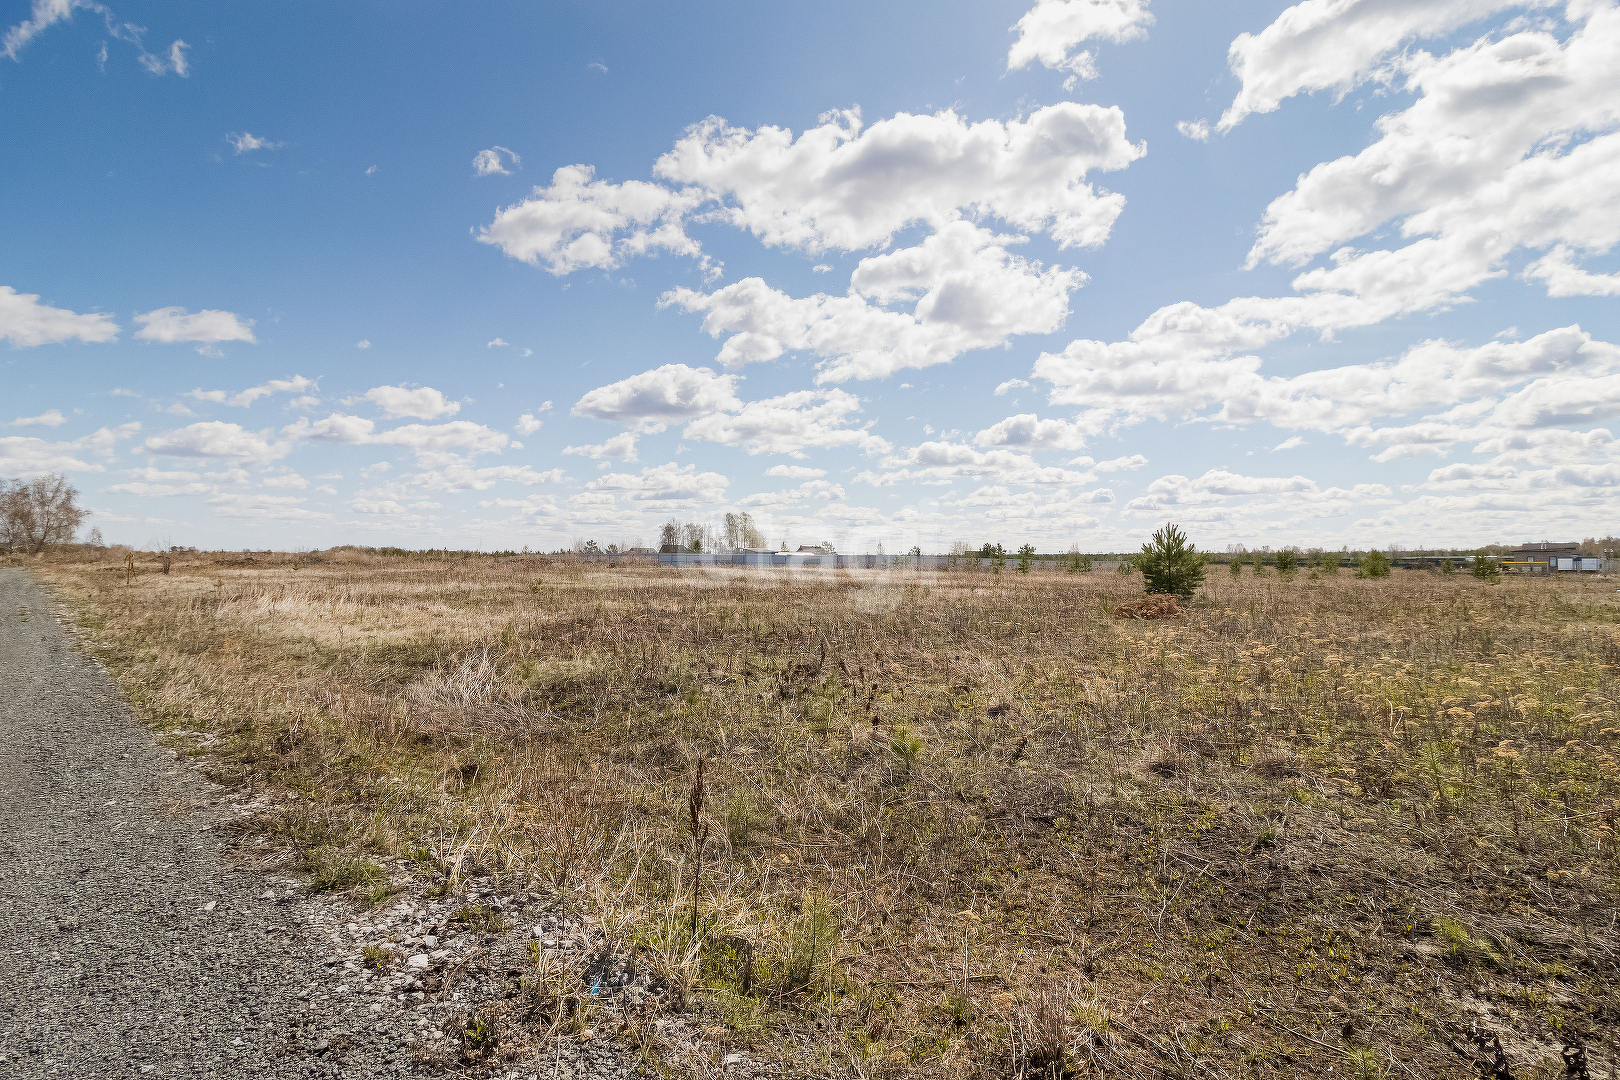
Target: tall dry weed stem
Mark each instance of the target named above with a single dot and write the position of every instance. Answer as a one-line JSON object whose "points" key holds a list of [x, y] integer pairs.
{"points": [[1309, 823]]}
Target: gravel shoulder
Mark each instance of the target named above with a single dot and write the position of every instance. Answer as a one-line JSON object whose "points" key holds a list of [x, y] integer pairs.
{"points": [[130, 943]]}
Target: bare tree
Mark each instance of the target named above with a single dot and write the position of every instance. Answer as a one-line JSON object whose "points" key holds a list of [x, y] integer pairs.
{"points": [[35, 513], [741, 532]]}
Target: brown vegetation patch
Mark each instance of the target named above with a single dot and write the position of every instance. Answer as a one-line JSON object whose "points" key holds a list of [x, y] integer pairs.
{"points": [[1162, 606], [957, 824]]}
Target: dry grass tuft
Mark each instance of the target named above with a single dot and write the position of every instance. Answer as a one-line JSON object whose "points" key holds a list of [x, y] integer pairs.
{"points": [[955, 824]]}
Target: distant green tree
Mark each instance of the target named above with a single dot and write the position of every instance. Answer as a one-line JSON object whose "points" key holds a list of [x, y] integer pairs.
{"points": [[1234, 565], [1285, 561], [1259, 562], [1488, 570], [1447, 566], [1374, 564], [1026, 555], [1079, 563], [1327, 562], [997, 556], [1170, 564]]}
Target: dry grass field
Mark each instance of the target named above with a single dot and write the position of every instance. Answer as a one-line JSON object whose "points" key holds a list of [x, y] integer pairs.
{"points": [[958, 824]]}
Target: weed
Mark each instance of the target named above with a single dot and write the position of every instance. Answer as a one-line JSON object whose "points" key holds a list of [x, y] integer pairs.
{"points": [[956, 1009], [480, 1036], [331, 869], [1462, 947], [743, 820], [483, 919], [1365, 1063]]}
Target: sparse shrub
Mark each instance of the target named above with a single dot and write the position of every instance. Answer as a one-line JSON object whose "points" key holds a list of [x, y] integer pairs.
{"points": [[905, 746], [1026, 555], [810, 944], [1078, 563], [1234, 566], [1170, 564], [1374, 564], [1486, 569], [1285, 562]]}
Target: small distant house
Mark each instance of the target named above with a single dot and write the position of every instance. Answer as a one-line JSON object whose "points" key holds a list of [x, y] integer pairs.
{"points": [[808, 549], [1552, 559]]}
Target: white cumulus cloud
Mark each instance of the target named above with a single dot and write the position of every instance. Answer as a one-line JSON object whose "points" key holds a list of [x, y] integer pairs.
{"points": [[295, 385], [580, 221], [790, 424], [48, 418], [1028, 430], [1335, 44], [422, 402], [622, 445], [845, 186], [24, 322], [207, 327], [668, 485], [246, 142], [650, 401], [216, 439], [965, 288], [494, 160], [1050, 31]]}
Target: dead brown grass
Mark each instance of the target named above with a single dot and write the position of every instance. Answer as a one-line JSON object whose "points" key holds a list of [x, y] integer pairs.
{"points": [[960, 824]]}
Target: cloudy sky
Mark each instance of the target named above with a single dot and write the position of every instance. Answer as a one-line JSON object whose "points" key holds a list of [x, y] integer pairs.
{"points": [[495, 274]]}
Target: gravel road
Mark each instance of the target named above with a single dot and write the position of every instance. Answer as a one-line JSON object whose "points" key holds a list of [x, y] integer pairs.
{"points": [[130, 945]]}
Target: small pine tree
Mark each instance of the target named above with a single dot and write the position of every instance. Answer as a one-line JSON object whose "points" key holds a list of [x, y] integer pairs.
{"points": [[1026, 555], [1374, 564], [1170, 564], [1079, 563], [1259, 562], [1447, 566], [1486, 569], [1234, 566], [1285, 561]]}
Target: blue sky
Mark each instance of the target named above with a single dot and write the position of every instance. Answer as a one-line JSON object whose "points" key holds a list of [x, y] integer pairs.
{"points": [[1058, 272]]}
